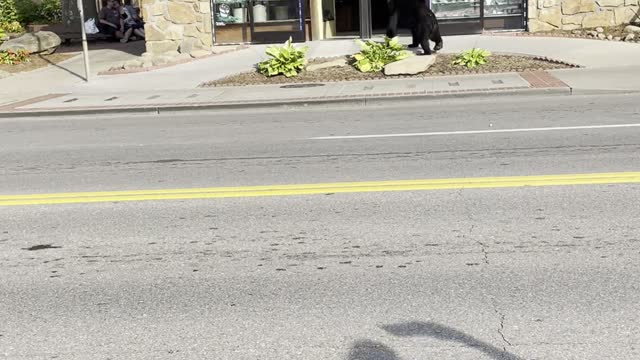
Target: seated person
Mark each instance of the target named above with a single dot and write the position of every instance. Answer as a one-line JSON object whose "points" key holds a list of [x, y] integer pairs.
{"points": [[109, 19], [131, 19]]}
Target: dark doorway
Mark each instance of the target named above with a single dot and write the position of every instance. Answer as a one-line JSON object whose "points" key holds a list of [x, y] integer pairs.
{"points": [[347, 17], [379, 15]]}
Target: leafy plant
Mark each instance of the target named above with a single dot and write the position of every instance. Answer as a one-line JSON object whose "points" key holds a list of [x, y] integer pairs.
{"points": [[27, 11], [9, 18], [50, 11], [472, 58], [8, 12], [45, 12], [373, 56], [12, 27], [2, 35], [14, 57], [286, 60]]}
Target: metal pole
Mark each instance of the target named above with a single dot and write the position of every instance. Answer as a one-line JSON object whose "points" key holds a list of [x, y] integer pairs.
{"points": [[365, 19], [85, 48]]}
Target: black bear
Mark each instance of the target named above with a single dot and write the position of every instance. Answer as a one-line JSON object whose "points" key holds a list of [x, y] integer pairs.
{"points": [[415, 14]]}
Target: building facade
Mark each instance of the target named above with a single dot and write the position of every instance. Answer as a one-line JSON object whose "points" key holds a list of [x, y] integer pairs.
{"points": [[188, 25]]}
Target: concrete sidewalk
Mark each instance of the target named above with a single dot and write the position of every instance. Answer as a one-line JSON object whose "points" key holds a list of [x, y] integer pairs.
{"points": [[356, 93], [606, 66]]}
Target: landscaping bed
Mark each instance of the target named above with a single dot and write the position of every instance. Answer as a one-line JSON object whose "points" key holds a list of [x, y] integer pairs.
{"points": [[499, 63], [611, 33], [36, 62]]}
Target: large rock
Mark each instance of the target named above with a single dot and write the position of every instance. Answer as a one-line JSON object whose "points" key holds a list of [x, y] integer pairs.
{"points": [[410, 66], [40, 42], [329, 64], [632, 29]]}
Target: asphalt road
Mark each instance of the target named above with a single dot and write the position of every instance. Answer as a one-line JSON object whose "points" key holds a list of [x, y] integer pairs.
{"points": [[499, 273]]}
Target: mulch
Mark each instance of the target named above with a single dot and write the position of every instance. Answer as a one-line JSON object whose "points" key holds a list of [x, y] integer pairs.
{"points": [[36, 62], [497, 63]]}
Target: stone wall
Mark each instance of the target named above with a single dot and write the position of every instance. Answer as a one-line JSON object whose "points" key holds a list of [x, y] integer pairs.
{"points": [[546, 15], [177, 25]]}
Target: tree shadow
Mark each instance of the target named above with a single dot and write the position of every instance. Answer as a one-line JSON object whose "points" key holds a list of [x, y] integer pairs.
{"points": [[442, 332], [371, 350]]}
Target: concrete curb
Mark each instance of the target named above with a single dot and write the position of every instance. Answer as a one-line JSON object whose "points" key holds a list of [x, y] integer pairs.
{"points": [[365, 100]]}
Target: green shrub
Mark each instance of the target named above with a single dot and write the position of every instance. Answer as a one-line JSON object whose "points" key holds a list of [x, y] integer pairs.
{"points": [[9, 18], [374, 56], [8, 12], [285, 60], [50, 11], [27, 11], [472, 58], [12, 27], [14, 57], [46, 12]]}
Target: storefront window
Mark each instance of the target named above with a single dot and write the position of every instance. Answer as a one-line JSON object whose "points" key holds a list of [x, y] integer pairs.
{"points": [[503, 7], [451, 9], [277, 20], [258, 21], [231, 21]]}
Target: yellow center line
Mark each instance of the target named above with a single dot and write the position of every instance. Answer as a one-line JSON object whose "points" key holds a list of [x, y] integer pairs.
{"points": [[321, 188]]}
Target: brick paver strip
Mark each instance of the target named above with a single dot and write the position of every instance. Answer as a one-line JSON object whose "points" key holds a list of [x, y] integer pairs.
{"points": [[542, 79], [37, 99], [15, 107]]}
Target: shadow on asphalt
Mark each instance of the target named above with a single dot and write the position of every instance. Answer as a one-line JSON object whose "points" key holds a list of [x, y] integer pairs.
{"points": [[370, 350]]}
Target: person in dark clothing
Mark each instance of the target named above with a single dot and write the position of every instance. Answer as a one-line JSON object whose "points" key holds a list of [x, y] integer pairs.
{"points": [[111, 22], [131, 19]]}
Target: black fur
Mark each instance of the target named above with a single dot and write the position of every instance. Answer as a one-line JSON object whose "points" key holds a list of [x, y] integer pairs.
{"points": [[415, 15]]}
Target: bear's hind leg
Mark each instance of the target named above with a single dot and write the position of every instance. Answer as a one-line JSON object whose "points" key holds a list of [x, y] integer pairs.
{"points": [[436, 38], [423, 36], [415, 41]]}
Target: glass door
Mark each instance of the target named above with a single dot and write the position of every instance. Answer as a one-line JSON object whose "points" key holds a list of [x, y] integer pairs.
{"points": [[274, 21]]}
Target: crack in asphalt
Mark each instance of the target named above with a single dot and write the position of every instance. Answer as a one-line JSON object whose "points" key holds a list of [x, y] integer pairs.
{"points": [[501, 329], [485, 253]]}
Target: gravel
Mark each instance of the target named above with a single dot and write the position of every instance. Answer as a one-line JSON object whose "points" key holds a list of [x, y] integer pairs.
{"points": [[498, 63]]}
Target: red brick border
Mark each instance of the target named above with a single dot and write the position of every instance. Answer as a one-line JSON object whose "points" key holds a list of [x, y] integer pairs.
{"points": [[541, 79], [372, 96], [37, 99]]}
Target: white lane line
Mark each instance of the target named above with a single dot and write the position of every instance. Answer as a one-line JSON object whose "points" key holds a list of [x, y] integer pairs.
{"points": [[471, 132]]}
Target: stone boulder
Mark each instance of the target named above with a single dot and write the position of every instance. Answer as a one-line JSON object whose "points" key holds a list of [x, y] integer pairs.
{"points": [[44, 42], [328, 64], [632, 29], [410, 66]]}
